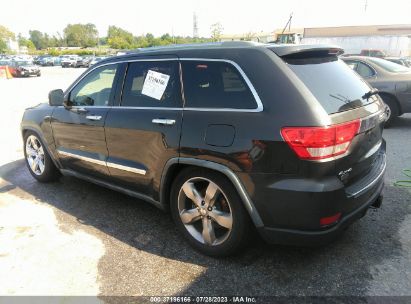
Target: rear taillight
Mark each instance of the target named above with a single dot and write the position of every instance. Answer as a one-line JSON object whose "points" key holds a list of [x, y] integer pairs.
{"points": [[320, 142]]}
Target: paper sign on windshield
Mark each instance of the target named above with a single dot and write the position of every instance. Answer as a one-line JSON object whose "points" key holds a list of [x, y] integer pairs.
{"points": [[155, 84]]}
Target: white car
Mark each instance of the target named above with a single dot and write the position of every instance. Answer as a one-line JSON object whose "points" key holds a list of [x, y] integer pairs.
{"points": [[69, 61], [96, 59]]}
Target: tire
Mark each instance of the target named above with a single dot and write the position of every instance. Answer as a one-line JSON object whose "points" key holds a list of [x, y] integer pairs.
{"points": [[226, 206], [393, 109], [39, 74], [38, 161]]}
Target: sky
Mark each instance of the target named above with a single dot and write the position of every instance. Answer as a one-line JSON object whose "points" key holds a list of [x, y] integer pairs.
{"points": [[176, 17]]}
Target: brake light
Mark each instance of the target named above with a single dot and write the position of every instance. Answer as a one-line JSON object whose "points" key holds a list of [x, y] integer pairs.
{"points": [[329, 220], [315, 143]]}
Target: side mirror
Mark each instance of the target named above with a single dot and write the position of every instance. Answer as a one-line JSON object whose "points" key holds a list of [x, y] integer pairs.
{"points": [[56, 97]]}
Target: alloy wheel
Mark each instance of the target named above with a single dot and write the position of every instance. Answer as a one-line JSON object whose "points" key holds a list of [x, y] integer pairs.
{"points": [[205, 211], [35, 155]]}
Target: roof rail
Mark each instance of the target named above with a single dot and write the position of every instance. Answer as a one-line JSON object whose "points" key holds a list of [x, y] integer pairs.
{"points": [[195, 45], [240, 43]]}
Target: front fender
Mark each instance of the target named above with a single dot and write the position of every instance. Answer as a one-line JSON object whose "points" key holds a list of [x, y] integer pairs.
{"points": [[38, 120]]}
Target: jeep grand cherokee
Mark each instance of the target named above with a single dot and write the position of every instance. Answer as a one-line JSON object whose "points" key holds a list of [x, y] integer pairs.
{"points": [[225, 136]]}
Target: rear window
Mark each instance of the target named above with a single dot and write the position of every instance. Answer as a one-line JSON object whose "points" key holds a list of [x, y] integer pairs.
{"points": [[212, 84], [331, 81]]}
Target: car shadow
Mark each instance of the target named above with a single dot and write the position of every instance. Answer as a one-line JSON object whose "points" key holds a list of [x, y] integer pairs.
{"points": [[344, 267]]}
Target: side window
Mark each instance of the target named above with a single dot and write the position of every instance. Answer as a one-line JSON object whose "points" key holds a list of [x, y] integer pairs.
{"points": [[212, 84], [152, 84], [364, 70], [352, 65], [96, 88]]}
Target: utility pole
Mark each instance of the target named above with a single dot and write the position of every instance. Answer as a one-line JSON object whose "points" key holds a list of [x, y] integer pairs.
{"points": [[289, 28], [366, 5], [288, 24]]}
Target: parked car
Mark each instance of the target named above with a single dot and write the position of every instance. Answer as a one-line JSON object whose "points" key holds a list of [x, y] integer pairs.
{"points": [[96, 60], [392, 80], [4, 62], [24, 69], [399, 60], [283, 137], [56, 60], [69, 61], [46, 60], [82, 62]]}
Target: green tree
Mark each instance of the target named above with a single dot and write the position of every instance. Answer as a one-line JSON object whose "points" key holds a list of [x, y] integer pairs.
{"points": [[3, 46], [82, 35], [5, 35], [38, 39], [118, 38], [216, 31], [25, 42]]}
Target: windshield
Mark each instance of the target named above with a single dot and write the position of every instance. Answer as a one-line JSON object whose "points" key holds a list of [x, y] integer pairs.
{"points": [[389, 66], [332, 82]]}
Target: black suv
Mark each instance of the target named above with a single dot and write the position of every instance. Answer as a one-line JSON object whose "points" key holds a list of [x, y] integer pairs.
{"points": [[225, 136]]}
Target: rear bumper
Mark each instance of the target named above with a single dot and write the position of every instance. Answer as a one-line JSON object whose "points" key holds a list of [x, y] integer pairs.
{"points": [[320, 237], [291, 209]]}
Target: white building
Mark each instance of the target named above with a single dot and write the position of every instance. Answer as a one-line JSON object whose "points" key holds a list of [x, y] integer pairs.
{"points": [[290, 36], [394, 40], [13, 45]]}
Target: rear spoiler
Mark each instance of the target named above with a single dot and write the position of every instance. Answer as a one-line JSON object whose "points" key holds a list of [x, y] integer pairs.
{"points": [[287, 50]]}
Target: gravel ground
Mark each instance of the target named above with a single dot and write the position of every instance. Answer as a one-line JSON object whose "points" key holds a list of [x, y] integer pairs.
{"points": [[75, 238]]}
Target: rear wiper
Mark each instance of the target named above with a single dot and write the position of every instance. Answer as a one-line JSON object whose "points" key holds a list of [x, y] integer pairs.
{"points": [[370, 93]]}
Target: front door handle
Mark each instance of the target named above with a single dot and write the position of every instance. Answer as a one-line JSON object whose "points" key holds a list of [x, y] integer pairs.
{"points": [[80, 110], [93, 117], [161, 121]]}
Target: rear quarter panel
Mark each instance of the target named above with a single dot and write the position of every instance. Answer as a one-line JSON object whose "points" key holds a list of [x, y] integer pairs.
{"points": [[258, 145]]}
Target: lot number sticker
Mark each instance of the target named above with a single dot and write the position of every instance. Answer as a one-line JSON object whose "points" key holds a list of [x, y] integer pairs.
{"points": [[155, 84]]}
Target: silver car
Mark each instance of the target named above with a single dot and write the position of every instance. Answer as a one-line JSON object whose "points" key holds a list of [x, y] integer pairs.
{"points": [[392, 80]]}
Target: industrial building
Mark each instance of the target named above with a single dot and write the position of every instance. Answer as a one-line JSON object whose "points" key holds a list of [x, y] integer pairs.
{"points": [[394, 40]]}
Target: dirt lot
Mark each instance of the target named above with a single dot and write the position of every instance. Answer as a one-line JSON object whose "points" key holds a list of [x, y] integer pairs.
{"points": [[74, 238]]}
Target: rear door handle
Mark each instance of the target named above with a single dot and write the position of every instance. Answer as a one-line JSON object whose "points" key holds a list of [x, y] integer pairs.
{"points": [[93, 117], [160, 121]]}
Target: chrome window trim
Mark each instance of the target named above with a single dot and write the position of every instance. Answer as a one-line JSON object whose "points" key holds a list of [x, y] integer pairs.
{"points": [[103, 163], [257, 99], [74, 84]]}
